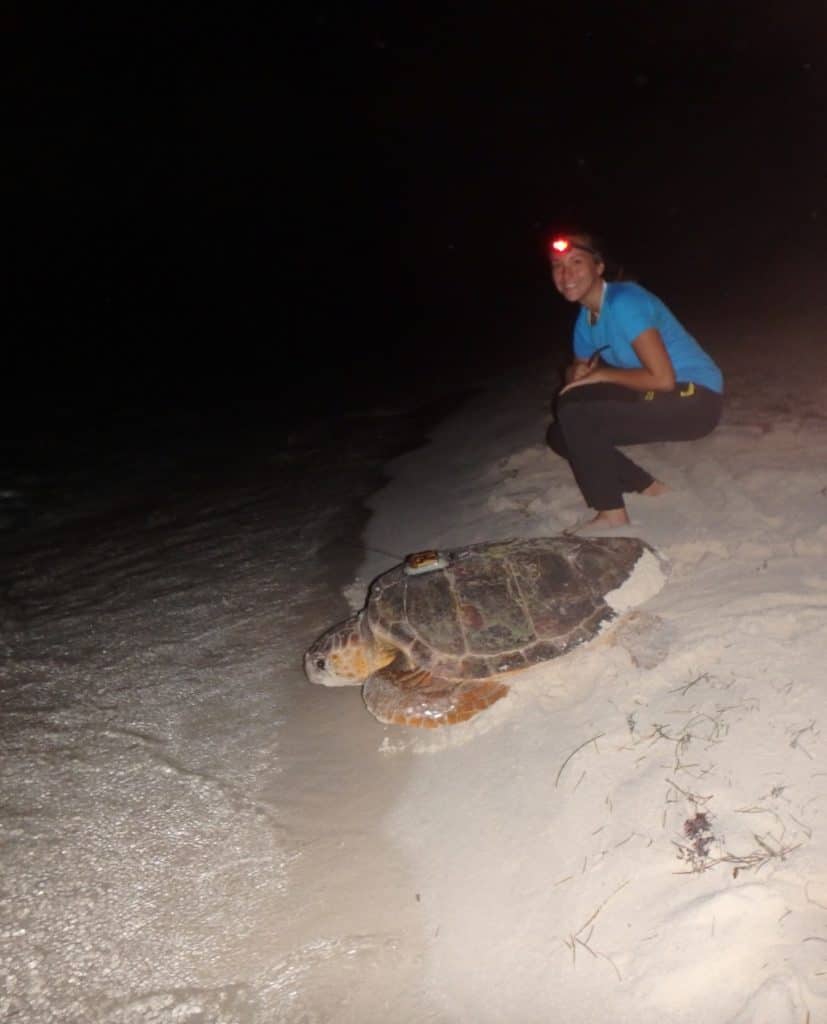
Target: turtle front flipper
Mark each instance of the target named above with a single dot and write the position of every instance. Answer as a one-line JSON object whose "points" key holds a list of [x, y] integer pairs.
{"points": [[398, 695]]}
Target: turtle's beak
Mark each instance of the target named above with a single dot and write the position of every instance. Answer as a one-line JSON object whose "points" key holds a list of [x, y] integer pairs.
{"points": [[314, 667], [332, 661]]}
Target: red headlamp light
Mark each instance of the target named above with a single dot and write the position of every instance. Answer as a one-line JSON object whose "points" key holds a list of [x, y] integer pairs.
{"points": [[560, 246]]}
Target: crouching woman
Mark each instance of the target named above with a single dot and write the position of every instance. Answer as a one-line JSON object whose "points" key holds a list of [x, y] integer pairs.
{"points": [[637, 377]]}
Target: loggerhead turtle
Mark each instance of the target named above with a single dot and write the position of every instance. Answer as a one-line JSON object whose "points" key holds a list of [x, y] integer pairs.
{"points": [[438, 633]]}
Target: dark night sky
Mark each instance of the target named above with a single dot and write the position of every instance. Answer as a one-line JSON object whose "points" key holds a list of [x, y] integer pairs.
{"points": [[213, 203]]}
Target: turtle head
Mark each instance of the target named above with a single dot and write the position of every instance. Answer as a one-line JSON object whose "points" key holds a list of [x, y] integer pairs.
{"points": [[345, 656]]}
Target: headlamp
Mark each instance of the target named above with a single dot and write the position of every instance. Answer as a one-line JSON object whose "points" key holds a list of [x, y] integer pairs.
{"points": [[560, 246]]}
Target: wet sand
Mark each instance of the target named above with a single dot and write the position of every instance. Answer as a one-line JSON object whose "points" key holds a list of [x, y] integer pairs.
{"points": [[220, 815]]}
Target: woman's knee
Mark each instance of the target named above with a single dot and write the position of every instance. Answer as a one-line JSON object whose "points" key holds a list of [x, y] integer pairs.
{"points": [[569, 412], [555, 439]]}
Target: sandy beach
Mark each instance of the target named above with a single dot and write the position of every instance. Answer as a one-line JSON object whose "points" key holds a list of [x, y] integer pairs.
{"points": [[633, 834], [280, 313], [192, 832]]}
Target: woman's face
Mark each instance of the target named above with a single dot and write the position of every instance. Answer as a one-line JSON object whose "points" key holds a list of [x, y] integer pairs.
{"points": [[577, 274]]}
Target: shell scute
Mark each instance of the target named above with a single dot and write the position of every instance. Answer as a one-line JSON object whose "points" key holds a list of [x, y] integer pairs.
{"points": [[517, 602]]}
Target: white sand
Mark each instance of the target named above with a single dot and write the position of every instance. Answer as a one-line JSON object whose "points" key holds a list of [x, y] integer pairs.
{"points": [[564, 871], [192, 833]]}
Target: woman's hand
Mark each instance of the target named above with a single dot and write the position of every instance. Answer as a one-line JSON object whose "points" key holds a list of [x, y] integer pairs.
{"points": [[584, 373], [579, 368]]}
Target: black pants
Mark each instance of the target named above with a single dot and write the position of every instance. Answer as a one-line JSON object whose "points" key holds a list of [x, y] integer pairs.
{"points": [[592, 420]]}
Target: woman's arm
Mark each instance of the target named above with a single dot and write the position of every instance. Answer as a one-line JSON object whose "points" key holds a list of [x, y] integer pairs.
{"points": [[656, 373]]}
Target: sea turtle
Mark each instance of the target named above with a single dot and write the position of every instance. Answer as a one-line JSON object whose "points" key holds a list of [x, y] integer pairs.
{"points": [[439, 632]]}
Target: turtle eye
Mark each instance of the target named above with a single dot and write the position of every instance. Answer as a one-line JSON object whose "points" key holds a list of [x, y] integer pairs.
{"points": [[320, 664]]}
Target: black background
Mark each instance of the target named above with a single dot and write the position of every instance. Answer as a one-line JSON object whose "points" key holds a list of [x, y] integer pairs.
{"points": [[225, 209]]}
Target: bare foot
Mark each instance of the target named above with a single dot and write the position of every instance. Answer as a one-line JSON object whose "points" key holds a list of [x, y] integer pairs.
{"points": [[655, 489], [610, 519]]}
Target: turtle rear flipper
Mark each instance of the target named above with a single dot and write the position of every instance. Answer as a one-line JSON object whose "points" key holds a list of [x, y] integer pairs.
{"points": [[405, 696]]}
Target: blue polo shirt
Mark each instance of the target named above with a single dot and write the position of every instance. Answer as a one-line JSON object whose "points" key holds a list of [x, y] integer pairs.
{"points": [[627, 311]]}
